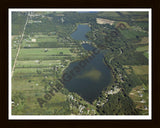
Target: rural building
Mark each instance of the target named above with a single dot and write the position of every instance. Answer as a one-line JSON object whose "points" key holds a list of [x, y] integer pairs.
{"points": [[45, 50], [33, 40]]}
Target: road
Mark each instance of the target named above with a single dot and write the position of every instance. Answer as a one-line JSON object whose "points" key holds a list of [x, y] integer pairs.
{"points": [[19, 47], [120, 52]]}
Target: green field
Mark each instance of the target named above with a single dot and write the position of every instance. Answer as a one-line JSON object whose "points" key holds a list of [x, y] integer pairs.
{"points": [[40, 54], [33, 69], [140, 70], [37, 63], [41, 51], [142, 49], [146, 54], [108, 14], [131, 34], [144, 40], [42, 39]]}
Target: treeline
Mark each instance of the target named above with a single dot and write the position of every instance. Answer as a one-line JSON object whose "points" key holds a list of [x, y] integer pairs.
{"points": [[50, 45], [73, 18], [118, 104], [132, 58], [18, 21]]}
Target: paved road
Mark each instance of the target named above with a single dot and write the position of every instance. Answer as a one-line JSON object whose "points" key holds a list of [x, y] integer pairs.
{"points": [[19, 47]]}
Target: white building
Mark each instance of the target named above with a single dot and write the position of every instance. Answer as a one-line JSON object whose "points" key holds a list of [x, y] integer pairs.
{"points": [[33, 40]]}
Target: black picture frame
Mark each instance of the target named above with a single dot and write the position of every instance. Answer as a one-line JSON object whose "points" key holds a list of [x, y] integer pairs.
{"points": [[5, 5]]}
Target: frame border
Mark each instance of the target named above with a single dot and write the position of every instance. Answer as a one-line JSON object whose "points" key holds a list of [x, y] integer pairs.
{"points": [[154, 4], [77, 117]]}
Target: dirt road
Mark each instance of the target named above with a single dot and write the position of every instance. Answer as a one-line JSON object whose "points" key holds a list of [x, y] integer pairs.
{"points": [[19, 47]]}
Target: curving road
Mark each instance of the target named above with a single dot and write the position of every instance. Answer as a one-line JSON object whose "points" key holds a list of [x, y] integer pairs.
{"points": [[120, 52]]}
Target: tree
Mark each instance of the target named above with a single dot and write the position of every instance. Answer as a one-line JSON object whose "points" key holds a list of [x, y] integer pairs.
{"points": [[61, 53]]}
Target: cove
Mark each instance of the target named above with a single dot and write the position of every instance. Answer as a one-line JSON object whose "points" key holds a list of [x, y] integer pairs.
{"points": [[94, 77]]}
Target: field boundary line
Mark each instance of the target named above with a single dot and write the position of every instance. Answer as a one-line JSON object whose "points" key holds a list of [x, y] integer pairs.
{"points": [[19, 47]]}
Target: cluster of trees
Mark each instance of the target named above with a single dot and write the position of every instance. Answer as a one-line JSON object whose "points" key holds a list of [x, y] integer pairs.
{"points": [[118, 104], [18, 21], [132, 58], [46, 26], [75, 17], [18, 102]]}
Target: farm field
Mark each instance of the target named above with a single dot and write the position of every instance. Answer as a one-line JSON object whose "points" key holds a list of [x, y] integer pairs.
{"points": [[145, 48], [146, 54], [37, 63], [131, 33], [112, 14], [140, 70], [41, 51], [44, 53], [144, 40], [142, 49], [34, 67]]}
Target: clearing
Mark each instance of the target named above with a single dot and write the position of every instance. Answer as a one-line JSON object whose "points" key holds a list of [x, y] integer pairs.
{"points": [[140, 70], [104, 21], [142, 49]]}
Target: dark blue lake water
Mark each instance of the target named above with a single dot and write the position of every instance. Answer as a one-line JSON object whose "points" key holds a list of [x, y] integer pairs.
{"points": [[93, 77], [79, 34]]}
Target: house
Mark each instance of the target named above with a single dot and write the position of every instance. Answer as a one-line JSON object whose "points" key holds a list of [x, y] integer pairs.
{"points": [[62, 66], [145, 107], [142, 101], [102, 104], [45, 50], [37, 61], [141, 95], [107, 100], [33, 40], [110, 92], [71, 97], [88, 111], [143, 88]]}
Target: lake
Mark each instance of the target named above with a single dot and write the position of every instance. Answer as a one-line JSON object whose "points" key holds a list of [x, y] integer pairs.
{"points": [[79, 34], [95, 75]]}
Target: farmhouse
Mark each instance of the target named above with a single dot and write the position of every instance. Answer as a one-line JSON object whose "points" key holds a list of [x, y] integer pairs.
{"points": [[33, 40], [45, 50], [145, 107]]}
